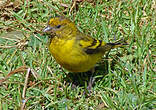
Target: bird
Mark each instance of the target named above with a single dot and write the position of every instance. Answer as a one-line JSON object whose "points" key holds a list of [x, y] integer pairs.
{"points": [[73, 50]]}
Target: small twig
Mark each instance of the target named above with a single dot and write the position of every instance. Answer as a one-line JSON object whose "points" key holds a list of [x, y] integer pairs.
{"points": [[25, 83], [37, 76], [24, 89], [72, 7], [25, 101], [7, 47], [37, 37]]}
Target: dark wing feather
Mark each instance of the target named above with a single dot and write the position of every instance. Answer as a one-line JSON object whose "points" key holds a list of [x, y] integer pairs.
{"points": [[90, 45]]}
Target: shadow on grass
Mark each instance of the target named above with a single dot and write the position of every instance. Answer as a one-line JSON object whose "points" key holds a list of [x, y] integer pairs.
{"points": [[87, 80], [83, 79], [101, 70]]}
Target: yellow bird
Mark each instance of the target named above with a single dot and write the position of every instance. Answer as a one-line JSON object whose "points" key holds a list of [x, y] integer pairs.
{"points": [[72, 49]]}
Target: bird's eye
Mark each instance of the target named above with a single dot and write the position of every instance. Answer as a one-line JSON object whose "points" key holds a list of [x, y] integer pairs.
{"points": [[58, 26]]}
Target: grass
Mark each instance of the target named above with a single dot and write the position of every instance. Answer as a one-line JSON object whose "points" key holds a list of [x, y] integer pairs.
{"points": [[124, 80]]}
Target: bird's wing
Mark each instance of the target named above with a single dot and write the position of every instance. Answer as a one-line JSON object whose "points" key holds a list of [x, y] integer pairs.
{"points": [[90, 45]]}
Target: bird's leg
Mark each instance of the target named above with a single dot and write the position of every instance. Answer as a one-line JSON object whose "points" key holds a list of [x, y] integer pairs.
{"points": [[91, 80], [92, 70], [90, 84]]}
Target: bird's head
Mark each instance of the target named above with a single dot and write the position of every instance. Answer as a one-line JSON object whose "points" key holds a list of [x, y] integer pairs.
{"points": [[61, 26]]}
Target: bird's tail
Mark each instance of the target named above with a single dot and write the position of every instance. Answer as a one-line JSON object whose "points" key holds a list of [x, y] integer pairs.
{"points": [[117, 44]]}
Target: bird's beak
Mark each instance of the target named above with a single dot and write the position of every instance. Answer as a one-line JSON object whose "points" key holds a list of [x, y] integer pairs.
{"points": [[48, 28]]}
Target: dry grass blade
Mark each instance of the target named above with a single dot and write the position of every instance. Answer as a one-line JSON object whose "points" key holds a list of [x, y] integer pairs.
{"points": [[24, 89], [13, 39], [18, 70], [37, 76]]}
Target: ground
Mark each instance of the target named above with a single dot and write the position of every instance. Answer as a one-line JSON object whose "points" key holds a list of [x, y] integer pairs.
{"points": [[124, 79]]}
